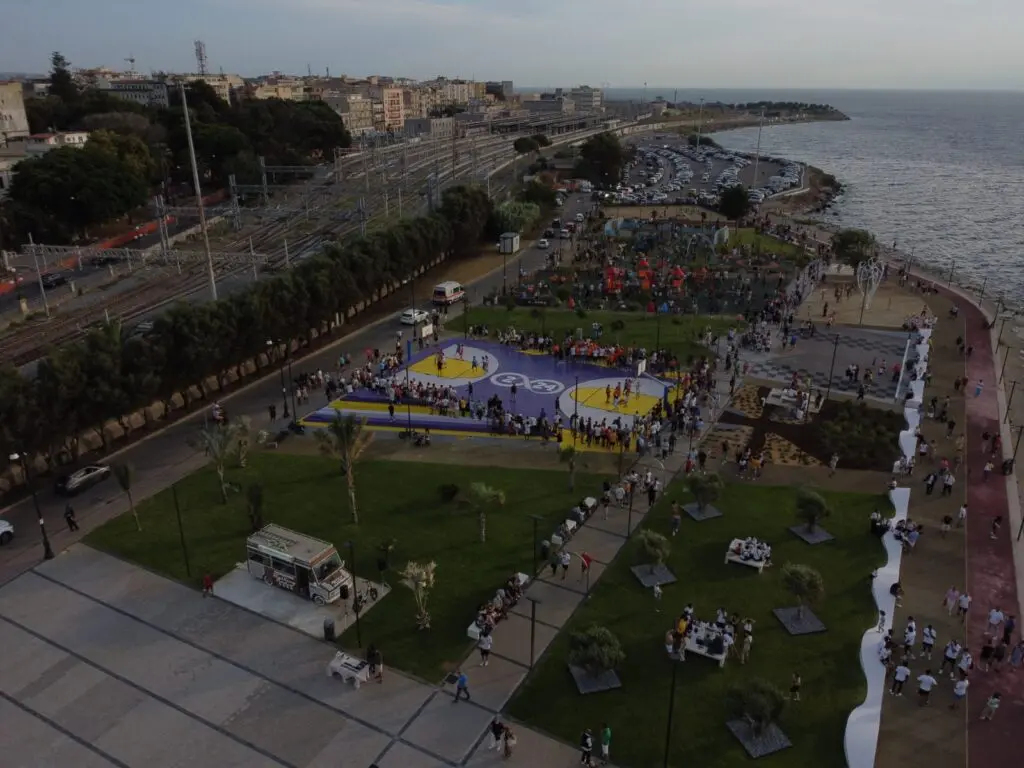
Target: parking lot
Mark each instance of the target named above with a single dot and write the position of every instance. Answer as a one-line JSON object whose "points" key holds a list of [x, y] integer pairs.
{"points": [[669, 171]]}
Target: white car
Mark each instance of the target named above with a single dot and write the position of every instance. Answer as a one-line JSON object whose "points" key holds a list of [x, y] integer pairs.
{"points": [[414, 317], [579, 217], [6, 532], [543, 244]]}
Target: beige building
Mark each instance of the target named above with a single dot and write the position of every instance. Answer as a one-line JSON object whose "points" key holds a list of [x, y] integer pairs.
{"points": [[390, 115], [223, 85], [41, 143], [356, 112], [13, 120], [429, 127], [556, 105]]}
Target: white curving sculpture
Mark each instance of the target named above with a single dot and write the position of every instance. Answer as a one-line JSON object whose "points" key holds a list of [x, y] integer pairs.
{"points": [[869, 276]]}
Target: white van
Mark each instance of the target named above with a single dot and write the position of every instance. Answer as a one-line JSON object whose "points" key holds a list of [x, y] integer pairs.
{"points": [[448, 292]]}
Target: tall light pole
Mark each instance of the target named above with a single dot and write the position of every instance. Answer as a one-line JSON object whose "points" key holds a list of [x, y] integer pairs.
{"points": [[671, 708], [700, 121], [22, 459], [831, 371], [757, 152], [356, 606], [199, 192], [284, 389]]}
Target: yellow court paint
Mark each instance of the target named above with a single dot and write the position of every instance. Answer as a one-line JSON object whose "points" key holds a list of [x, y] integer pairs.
{"points": [[594, 397], [355, 405], [453, 368]]}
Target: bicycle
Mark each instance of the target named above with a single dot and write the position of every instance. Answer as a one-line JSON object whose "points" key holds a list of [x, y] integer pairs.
{"points": [[360, 599]]}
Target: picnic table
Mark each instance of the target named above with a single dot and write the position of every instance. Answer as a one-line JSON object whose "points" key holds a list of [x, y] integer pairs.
{"points": [[732, 556]]}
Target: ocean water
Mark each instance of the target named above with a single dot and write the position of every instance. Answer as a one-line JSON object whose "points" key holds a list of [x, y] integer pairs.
{"points": [[941, 173]]}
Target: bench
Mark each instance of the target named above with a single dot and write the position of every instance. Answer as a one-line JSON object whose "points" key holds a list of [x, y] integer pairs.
{"points": [[349, 668]]}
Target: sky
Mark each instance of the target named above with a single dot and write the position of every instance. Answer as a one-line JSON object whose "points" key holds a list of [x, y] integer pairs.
{"points": [[927, 44]]}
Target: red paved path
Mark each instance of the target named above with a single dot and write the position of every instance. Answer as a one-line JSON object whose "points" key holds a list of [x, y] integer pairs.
{"points": [[990, 569]]}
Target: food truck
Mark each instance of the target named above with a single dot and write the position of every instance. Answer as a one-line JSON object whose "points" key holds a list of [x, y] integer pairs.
{"points": [[301, 564]]}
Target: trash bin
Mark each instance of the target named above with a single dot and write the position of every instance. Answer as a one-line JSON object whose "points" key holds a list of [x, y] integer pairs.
{"points": [[1008, 466], [329, 629]]}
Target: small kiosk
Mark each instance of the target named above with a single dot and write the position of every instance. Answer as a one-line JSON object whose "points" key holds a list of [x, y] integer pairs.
{"points": [[301, 564]]}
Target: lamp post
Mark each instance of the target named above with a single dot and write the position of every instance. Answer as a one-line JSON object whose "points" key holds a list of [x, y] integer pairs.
{"points": [[671, 708], [533, 627], [629, 519], [536, 519], [1009, 400], [575, 411], [291, 382], [832, 368], [284, 389], [23, 460], [465, 315], [181, 530], [356, 607]]}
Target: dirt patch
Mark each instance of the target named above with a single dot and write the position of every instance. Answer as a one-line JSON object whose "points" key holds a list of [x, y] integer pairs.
{"points": [[890, 307]]}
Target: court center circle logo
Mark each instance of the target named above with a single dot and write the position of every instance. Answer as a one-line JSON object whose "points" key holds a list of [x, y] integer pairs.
{"points": [[511, 379]]}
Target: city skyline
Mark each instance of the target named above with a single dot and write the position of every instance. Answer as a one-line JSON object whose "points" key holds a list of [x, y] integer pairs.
{"points": [[731, 44]]}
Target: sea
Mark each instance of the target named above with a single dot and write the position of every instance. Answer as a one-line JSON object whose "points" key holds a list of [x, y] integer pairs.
{"points": [[940, 173]]}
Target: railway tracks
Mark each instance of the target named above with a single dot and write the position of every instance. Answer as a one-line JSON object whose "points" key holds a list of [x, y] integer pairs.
{"points": [[268, 243]]}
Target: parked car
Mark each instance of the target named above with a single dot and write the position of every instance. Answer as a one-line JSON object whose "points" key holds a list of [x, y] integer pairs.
{"points": [[54, 280], [6, 532], [82, 479], [414, 317], [543, 243]]}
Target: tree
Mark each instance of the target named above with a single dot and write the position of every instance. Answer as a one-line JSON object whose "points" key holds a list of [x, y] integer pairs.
{"points": [[62, 84], [596, 649], [538, 194], [804, 583], [541, 140], [568, 455], [601, 158], [706, 488], [655, 546], [525, 145], [219, 442], [125, 476], [811, 508], [734, 203], [420, 577], [515, 216], [853, 246], [346, 438], [481, 498], [254, 497], [758, 702], [130, 149]]}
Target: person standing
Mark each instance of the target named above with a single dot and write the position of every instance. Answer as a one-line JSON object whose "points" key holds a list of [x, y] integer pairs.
{"points": [[928, 636], [748, 641], [484, 645], [586, 748], [991, 706], [963, 604], [1008, 627], [564, 559], [900, 676], [965, 664], [461, 686], [677, 518], [952, 595], [925, 684], [949, 657], [508, 741], [606, 743], [207, 585], [497, 734], [995, 620], [794, 687]]}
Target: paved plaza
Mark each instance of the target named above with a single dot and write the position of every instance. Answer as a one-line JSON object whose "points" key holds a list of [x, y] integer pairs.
{"points": [[813, 357]]}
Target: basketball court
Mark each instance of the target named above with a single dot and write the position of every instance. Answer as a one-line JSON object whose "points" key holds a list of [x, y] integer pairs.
{"points": [[528, 384]]}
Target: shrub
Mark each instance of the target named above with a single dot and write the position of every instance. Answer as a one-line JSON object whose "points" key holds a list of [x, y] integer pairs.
{"points": [[595, 649], [811, 508], [655, 547], [448, 491], [804, 583], [705, 488]]}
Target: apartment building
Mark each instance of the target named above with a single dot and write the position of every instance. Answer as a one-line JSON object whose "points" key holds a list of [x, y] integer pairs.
{"points": [[356, 112], [225, 86], [587, 99], [500, 89], [549, 104], [429, 127], [148, 93], [13, 120], [392, 112]]}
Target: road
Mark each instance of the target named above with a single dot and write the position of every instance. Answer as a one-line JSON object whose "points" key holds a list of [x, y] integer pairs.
{"points": [[164, 457]]}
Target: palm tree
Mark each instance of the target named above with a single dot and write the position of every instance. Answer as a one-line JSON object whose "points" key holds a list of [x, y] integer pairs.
{"points": [[346, 438], [220, 442], [125, 474], [568, 455], [482, 496]]}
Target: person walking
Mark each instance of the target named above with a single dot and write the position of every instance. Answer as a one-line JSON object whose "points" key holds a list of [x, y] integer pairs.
{"points": [[376, 661], [461, 686], [1009, 625], [928, 637], [949, 657], [900, 676], [794, 687], [745, 645], [70, 519], [959, 691], [925, 684], [484, 645], [207, 585], [991, 706], [508, 742], [497, 729]]}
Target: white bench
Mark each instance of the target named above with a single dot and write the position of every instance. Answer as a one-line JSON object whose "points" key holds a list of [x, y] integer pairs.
{"points": [[732, 557], [349, 668], [702, 650]]}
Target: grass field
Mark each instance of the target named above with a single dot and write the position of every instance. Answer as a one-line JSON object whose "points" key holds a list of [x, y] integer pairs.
{"points": [[679, 333], [767, 244], [833, 682], [397, 500]]}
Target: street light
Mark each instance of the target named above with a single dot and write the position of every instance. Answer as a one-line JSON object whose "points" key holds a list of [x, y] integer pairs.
{"points": [[23, 460], [671, 708], [356, 607], [533, 627], [831, 370], [284, 389], [536, 519]]}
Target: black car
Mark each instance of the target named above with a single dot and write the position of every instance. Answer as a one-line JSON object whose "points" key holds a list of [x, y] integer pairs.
{"points": [[54, 280]]}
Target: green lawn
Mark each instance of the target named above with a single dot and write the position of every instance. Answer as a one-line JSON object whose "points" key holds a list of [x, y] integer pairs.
{"points": [[397, 500], [833, 683], [768, 244], [679, 333]]}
